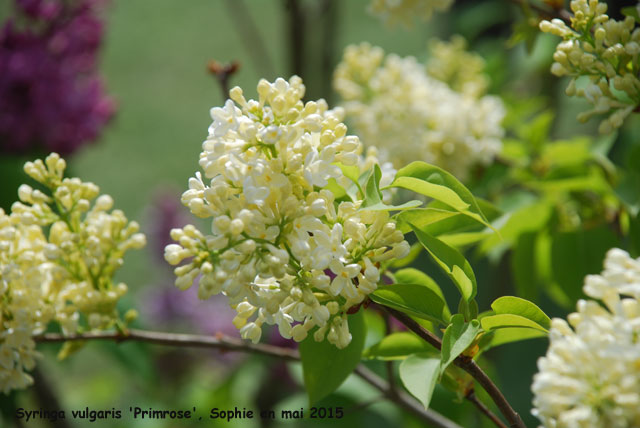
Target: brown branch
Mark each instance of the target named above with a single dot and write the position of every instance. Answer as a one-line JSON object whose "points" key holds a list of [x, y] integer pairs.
{"points": [[467, 364], [238, 345], [177, 339], [471, 396], [222, 73], [389, 364]]}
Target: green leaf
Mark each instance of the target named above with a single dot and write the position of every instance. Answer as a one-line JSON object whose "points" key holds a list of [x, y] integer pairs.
{"points": [[352, 173], [422, 218], [397, 346], [436, 183], [457, 337], [452, 262], [373, 197], [413, 299], [459, 240], [435, 191], [492, 322], [69, 348], [419, 374], [502, 336], [415, 276], [524, 308], [381, 206], [337, 190], [324, 366]]}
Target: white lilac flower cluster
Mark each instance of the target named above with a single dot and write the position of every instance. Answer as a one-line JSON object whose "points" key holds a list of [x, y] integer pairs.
{"points": [[395, 105], [393, 12], [590, 376], [280, 247], [606, 52], [58, 253]]}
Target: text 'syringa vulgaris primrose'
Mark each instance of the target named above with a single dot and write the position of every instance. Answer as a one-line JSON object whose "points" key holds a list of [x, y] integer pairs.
{"points": [[59, 249], [281, 247]]}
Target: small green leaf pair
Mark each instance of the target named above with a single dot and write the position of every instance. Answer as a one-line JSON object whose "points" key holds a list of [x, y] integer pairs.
{"points": [[421, 372]]}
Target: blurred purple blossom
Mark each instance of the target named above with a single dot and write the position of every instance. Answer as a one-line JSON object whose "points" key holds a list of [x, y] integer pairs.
{"points": [[162, 302], [51, 95]]}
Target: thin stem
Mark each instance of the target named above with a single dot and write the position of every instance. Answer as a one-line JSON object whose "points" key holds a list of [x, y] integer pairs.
{"points": [[466, 364], [232, 344], [222, 73], [329, 18], [177, 339], [471, 396], [389, 364], [251, 37], [295, 36]]}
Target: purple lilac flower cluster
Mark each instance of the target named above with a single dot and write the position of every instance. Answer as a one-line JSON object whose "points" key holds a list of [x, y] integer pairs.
{"points": [[51, 96]]}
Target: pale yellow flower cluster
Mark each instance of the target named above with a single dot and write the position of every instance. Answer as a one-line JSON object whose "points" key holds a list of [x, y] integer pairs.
{"points": [[395, 105], [590, 376], [393, 12], [58, 253], [281, 247], [451, 63], [606, 52]]}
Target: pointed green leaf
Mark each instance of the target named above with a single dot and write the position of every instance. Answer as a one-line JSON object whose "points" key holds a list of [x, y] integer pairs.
{"points": [[419, 374], [436, 183], [415, 276], [452, 262], [524, 308], [413, 299], [457, 337], [422, 218], [398, 346], [435, 191], [509, 321], [373, 197], [503, 336], [324, 366]]}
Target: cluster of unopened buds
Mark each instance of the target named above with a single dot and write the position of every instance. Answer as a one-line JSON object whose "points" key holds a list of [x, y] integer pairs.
{"points": [[282, 247], [59, 249], [603, 50], [590, 376], [394, 103]]}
